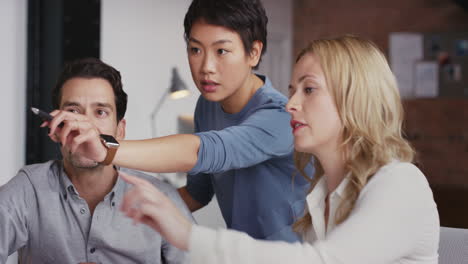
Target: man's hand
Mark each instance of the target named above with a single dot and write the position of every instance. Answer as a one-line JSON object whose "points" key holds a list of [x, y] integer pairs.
{"points": [[146, 204], [78, 134]]}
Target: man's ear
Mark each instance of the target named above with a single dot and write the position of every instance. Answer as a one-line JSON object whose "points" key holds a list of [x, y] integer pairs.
{"points": [[255, 53], [121, 126]]}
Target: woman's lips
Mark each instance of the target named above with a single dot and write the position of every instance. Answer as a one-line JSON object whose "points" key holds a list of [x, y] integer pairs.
{"points": [[296, 125], [209, 86]]}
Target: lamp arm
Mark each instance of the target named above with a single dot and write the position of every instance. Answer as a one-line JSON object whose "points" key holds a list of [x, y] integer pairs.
{"points": [[155, 111], [159, 104]]}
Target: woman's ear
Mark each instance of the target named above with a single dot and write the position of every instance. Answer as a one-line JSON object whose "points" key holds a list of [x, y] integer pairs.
{"points": [[255, 53]]}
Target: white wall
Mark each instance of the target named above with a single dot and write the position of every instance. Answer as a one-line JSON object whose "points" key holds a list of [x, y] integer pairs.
{"points": [[144, 40], [13, 89], [278, 59]]}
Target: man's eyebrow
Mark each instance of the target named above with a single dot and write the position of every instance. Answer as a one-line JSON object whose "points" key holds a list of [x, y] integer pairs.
{"points": [[70, 103], [96, 104], [99, 104]]}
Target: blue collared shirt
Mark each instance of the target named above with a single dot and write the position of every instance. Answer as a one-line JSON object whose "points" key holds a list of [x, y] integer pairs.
{"points": [[246, 160]]}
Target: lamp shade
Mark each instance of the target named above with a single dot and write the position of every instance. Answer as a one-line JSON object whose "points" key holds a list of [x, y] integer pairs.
{"points": [[178, 88]]}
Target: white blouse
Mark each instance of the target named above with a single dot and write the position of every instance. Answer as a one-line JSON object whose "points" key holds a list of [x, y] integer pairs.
{"points": [[395, 220]]}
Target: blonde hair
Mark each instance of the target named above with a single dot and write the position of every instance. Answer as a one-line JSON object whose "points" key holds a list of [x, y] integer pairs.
{"points": [[366, 96]]}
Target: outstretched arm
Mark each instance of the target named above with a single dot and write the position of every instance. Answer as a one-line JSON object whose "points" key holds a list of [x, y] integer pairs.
{"points": [[146, 204], [393, 218], [174, 153]]}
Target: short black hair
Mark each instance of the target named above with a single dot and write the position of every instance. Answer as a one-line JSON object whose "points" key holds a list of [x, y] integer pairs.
{"points": [[246, 17], [92, 68]]}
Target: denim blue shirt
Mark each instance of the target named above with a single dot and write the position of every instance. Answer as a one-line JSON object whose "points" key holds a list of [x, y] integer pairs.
{"points": [[246, 160]]}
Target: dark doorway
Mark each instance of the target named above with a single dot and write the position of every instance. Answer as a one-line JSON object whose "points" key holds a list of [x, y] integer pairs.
{"points": [[58, 31]]}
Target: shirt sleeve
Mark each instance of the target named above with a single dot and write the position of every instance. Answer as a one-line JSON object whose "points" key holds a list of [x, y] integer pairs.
{"points": [[200, 187], [173, 255], [169, 253], [229, 247], [15, 198], [264, 135], [390, 220]]}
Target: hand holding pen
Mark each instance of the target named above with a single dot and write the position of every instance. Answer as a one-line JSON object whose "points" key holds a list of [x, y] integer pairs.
{"points": [[46, 117], [74, 131]]}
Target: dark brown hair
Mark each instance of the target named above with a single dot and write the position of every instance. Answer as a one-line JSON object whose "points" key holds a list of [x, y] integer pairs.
{"points": [[92, 68]]}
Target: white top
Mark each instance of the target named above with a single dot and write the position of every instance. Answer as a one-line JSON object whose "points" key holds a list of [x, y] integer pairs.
{"points": [[395, 220]]}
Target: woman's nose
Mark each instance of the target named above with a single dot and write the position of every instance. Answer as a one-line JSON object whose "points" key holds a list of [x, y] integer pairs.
{"points": [[292, 105]]}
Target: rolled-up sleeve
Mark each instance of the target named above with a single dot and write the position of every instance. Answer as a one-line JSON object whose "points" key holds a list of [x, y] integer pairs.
{"points": [[262, 136]]}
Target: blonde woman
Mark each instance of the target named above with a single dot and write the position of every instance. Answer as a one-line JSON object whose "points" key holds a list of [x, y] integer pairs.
{"points": [[368, 203]]}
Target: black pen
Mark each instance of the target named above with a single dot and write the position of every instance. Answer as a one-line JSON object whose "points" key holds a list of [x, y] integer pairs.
{"points": [[43, 115]]}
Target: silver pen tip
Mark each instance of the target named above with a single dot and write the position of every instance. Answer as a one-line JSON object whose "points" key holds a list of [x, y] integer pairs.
{"points": [[35, 110]]}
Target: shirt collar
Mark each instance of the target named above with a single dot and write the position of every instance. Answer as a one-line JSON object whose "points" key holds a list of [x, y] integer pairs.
{"points": [[66, 186], [119, 189], [252, 101], [68, 189], [340, 190], [318, 194], [316, 205]]}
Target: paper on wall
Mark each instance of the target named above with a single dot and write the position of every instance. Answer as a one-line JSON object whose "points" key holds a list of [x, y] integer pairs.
{"points": [[405, 49], [426, 79]]}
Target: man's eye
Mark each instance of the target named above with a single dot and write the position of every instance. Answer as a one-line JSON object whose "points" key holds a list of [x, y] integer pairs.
{"points": [[101, 113], [73, 111]]}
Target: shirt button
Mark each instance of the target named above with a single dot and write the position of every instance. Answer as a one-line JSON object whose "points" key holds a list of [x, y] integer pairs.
{"points": [[113, 203], [92, 250], [82, 211]]}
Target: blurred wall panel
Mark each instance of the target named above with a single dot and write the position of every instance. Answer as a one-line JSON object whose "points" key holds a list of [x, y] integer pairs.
{"points": [[374, 19], [13, 24], [58, 31]]}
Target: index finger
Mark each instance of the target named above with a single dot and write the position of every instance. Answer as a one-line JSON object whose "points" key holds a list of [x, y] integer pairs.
{"points": [[62, 116]]}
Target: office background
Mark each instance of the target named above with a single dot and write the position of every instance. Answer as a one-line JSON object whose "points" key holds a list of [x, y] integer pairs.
{"points": [[144, 41]]}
